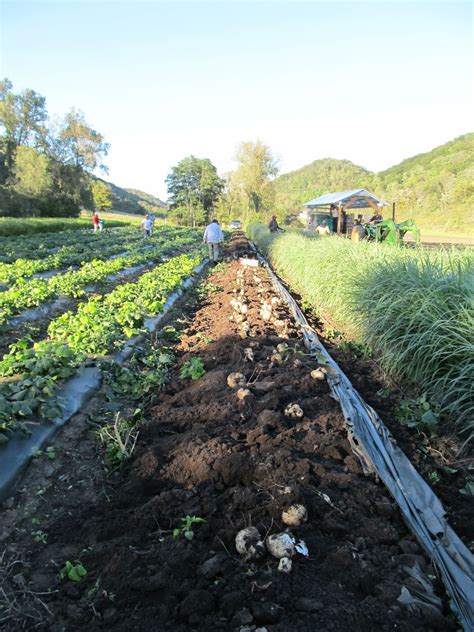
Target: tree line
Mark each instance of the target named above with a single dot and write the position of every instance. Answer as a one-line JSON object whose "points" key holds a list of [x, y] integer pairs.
{"points": [[197, 191], [46, 168], [45, 164]]}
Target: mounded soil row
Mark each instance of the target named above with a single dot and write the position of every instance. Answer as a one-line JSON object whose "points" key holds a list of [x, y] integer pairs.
{"points": [[235, 459]]}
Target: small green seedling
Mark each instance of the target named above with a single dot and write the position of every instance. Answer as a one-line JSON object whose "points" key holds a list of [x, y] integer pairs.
{"points": [[205, 289], [170, 333], [348, 346], [468, 489], [434, 478], [193, 369], [204, 339], [73, 572], [186, 527], [40, 536], [50, 452]]}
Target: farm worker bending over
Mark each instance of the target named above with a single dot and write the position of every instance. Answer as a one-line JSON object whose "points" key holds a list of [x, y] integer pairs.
{"points": [[147, 226], [273, 225], [96, 221], [323, 228], [212, 236], [358, 232]]}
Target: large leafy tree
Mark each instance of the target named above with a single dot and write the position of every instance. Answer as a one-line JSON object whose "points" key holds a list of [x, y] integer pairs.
{"points": [[32, 172], [101, 195], [79, 145], [22, 120], [252, 181], [194, 188]]}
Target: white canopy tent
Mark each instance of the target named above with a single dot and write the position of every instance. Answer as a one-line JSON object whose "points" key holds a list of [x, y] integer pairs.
{"points": [[342, 200]]}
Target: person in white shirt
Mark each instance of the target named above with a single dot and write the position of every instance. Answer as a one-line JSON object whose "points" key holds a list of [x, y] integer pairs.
{"points": [[152, 217], [147, 226], [323, 228], [213, 235]]}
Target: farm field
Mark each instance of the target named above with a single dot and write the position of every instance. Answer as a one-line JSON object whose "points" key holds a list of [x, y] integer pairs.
{"points": [[56, 341], [10, 226], [215, 423], [26, 293]]}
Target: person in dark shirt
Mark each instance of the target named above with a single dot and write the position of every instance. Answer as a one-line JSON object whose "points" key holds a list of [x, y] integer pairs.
{"points": [[273, 225], [334, 213], [377, 218]]}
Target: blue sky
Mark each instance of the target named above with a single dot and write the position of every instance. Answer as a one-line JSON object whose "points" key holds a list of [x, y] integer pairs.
{"points": [[373, 82]]}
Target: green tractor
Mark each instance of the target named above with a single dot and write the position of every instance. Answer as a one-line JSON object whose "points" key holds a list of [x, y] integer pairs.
{"points": [[391, 233]]}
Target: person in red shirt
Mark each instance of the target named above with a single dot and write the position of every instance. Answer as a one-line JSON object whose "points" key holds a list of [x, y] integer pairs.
{"points": [[96, 221]]}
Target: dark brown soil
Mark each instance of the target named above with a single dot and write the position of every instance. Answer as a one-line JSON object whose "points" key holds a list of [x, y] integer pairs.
{"points": [[235, 463]]}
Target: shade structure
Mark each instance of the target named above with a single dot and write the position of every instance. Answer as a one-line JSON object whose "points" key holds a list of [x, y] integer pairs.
{"points": [[356, 198]]}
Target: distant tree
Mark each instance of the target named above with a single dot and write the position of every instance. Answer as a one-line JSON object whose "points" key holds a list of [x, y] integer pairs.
{"points": [[253, 179], [32, 172], [229, 204], [194, 187], [22, 119], [79, 145], [101, 195]]}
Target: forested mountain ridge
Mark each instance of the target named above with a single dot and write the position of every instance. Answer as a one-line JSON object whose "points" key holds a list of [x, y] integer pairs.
{"points": [[135, 201], [321, 176], [435, 188]]}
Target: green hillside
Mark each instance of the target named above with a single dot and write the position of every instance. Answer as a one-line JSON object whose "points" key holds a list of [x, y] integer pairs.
{"points": [[436, 188], [135, 201], [321, 176]]}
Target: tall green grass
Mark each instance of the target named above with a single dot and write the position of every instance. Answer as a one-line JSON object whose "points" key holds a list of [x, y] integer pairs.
{"points": [[412, 308]]}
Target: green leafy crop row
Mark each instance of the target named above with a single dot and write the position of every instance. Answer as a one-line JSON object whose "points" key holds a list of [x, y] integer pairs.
{"points": [[32, 256], [41, 245], [104, 322], [31, 293], [100, 326]]}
